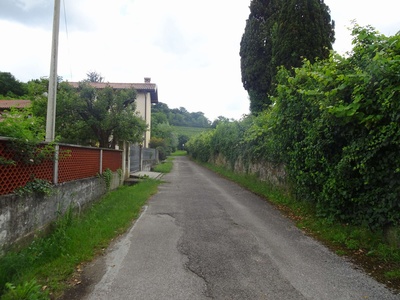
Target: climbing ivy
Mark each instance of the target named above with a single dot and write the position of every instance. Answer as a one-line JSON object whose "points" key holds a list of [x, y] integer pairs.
{"points": [[36, 186], [338, 124], [107, 176]]}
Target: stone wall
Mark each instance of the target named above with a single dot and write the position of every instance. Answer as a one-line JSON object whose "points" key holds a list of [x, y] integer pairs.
{"points": [[265, 171], [22, 217]]}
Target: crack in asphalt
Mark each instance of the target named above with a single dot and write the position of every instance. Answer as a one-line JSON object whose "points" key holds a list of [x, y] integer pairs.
{"points": [[183, 252]]}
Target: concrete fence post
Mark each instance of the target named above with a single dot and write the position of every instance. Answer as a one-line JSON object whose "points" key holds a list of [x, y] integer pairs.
{"points": [[101, 161], [128, 160], [55, 168]]}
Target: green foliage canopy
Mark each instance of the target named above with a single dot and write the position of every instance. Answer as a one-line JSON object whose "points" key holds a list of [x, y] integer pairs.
{"points": [[9, 86], [108, 114], [178, 116], [163, 120], [22, 124]]}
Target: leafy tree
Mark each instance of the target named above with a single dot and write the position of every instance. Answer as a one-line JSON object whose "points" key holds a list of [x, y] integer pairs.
{"points": [[158, 118], [100, 117], [179, 116], [161, 145], [109, 114], [160, 107], [182, 140], [93, 76], [279, 33], [166, 132], [220, 119], [199, 120], [37, 88], [9, 86]]}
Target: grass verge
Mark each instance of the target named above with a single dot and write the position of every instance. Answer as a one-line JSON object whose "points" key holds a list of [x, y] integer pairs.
{"points": [[179, 153], [42, 269], [166, 166], [366, 248]]}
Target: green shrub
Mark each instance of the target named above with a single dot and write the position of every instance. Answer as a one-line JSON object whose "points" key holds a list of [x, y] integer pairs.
{"points": [[200, 146]]}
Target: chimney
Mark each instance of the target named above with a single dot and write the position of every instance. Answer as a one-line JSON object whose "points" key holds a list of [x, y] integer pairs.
{"points": [[147, 79]]}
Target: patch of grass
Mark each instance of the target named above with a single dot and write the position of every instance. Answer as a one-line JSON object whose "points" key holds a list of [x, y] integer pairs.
{"points": [[395, 274], [179, 153], [51, 260], [166, 166], [340, 252], [366, 248]]}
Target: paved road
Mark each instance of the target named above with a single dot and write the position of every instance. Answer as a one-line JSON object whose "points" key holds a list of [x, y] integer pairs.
{"points": [[203, 237]]}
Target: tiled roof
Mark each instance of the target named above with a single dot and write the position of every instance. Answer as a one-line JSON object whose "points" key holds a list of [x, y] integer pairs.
{"points": [[146, 87], [4, 104]]}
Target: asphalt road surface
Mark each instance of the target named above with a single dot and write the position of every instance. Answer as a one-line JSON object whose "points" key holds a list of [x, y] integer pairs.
{"points": [[203, 237]]}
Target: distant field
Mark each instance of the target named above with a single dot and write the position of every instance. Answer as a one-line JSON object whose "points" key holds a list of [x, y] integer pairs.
{"points": [[189, 131]]}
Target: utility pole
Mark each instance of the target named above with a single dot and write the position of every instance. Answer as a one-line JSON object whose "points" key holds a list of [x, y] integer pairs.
{"points": [[52, 95]]}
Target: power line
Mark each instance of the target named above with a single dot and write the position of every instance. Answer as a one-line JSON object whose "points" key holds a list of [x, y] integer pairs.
{"points": [[66, 30]]}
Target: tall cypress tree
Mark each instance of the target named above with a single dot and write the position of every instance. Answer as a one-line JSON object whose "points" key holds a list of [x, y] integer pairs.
{"points": [[303, 30], [256, 53], [281, 32]]}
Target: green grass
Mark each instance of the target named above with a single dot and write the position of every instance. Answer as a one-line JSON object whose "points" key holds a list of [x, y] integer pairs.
{"points": [[189, 131], [51, 260], [179, 153], [166, 166], [370, 249]]}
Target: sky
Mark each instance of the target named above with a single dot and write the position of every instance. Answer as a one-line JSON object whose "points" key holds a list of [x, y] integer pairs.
{"points": [[190, 49]]}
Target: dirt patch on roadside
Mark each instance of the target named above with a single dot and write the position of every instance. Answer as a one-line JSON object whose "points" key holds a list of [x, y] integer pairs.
{"points": [[85, 278]]}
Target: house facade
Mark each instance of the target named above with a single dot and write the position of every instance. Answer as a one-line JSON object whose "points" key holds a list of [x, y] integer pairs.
{"points": [[147, 95]]}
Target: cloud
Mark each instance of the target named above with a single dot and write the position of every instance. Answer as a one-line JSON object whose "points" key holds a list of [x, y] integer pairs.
{"points": [[171, 39], [34, 13], [39, 13], [383, 16]]}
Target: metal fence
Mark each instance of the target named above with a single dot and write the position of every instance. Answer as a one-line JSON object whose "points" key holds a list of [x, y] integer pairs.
{"points": [[142, 159], [135, 158], [150, 158], [74, 162]]}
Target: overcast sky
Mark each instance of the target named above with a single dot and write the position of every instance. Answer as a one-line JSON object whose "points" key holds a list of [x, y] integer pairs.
{"points": [[190, 49]]}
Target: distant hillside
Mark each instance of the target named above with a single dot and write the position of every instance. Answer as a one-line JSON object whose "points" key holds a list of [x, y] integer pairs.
{"points": [[188, 131], [179, 116]]}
